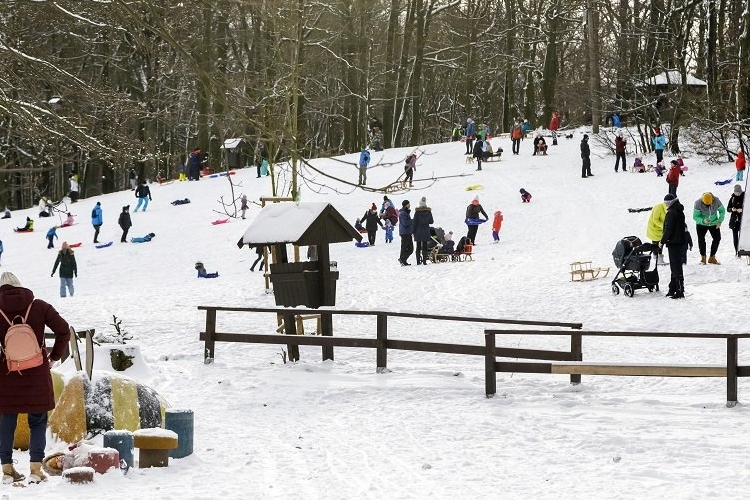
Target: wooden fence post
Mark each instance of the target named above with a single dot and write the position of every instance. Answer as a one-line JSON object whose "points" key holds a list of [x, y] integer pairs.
{"points": [[381, 351], [326, 329], [576, 349], [290, 328], [208, 349], [731, 372], [490, 377]]}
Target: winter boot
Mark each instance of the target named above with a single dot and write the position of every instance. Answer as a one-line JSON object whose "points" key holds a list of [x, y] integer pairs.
{"points": [[703, 259], [37, 475], [679, 290], [11, 475], [672, 288], [712, 260]]}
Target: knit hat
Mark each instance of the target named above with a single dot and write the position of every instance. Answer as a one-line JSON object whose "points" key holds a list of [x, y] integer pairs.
{"points": [[522, 191], [405, 203], [707, 198], [423, 202], [373, 207], [9, 279], [674, 162], [126, 208], [737, 189], [585, 137], [670, 197]]}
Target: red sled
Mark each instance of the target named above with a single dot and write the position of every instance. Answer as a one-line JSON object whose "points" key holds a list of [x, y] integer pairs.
{"points": [[75, 245], [220, 221]]}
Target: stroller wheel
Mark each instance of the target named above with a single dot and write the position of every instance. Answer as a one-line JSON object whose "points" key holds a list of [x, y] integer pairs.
{"points": [[615, 289], [629, 291]]}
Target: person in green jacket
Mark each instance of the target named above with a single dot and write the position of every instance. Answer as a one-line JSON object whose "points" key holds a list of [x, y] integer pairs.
{"points": [[708, 214], [66, 259], [655, 227]]}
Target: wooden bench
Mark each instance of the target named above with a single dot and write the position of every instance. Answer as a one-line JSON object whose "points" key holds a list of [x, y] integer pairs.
{"points": [[582, 271]]}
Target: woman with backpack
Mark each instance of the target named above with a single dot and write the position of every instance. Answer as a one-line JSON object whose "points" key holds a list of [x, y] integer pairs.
{"points": [[30, 390]]}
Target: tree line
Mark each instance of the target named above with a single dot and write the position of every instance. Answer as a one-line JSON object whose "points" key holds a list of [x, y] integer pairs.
{"points": [[98, 88]]}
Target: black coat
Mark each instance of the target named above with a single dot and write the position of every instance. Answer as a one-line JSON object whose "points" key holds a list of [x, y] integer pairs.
{"points": [[585, 150], [124, 220], [735, 218], [371, 220], [674, 226], [422, 221], [143, 191]]}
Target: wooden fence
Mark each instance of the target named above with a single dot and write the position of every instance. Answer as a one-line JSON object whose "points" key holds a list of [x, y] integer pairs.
{"points": [[381, 343], [571, 362]]}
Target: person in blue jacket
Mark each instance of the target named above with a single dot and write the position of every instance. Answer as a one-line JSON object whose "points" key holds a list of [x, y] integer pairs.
{"points": [[51, 235], [659, 144], [364, 162], [471, 133], [96, 220], [142, 239], [405, 230]]}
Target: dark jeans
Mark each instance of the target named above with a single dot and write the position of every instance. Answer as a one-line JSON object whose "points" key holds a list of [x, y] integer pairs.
{"points": [[409, 176], [51, 245], [37, 441], [471, 234], [260, 257], [96, 233], [620, 156], [469, 145], [673, 189], [422, 252], [516, 146], [736, 238], [407, 248], [585, 167], [715, 238], [371, 236], [659, 155], [124, 235]]}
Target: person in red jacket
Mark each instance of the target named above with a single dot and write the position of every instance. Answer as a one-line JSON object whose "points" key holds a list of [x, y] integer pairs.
{"points": [[620, 144], [29, 391], [673, 176], [554, 124], [739, 163]]}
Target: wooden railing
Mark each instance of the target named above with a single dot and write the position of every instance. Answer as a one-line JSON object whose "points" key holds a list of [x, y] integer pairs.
{"points": [[381, 343], [571, 362]]}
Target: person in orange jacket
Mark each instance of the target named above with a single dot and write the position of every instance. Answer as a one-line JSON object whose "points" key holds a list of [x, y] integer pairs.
{"points": [[740, 164], [496, 223]]}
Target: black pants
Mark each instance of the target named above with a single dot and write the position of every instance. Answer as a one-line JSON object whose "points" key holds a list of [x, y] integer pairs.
{"points": [[407, 248], [409, 176], [51, 245], [471, 234], [620, 156], [673, 189], [422, 252], [715, 238], [516, 146], [96, 233], [124, 235], [659, 155], [371, 236], [469, 146], [585, 167], [260, 257], [677, 281], [736, 238]]}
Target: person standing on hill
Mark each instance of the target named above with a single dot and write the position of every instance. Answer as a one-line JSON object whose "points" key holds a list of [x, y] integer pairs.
{"points": [[735, 207], [673, 236], [585, 157], [478, 152], [372, 221], [422, 221], [655, 226], [143, 193], [132, 177], [30, 391], [73, 178], [673, 176], [659, 143], [364, 162], [471, 133], [195, 159], [620, 144], [405, 231], [516, 134], [554, 124], [739, 164], [473, 220], [96, 220], [708, 214], [125, 223], [66, 259], [51, 235]]}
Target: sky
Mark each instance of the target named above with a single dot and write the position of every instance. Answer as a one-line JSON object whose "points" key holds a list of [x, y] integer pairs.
{"points": [[265, 429]]}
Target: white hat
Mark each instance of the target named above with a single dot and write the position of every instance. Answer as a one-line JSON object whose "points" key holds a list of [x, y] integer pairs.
{"points": [[8, 278]]}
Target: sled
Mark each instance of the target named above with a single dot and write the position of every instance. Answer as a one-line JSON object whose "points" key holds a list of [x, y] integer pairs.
{"points": [[474, 187], [74, 352], [75, 245], [105, 245], [220, 221], [66, 225], [164, 183], [362, 244], [16, 230], [582, 271], [474, 222]]}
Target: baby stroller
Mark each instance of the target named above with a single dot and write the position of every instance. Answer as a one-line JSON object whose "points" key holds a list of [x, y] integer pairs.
{"points": [[633, 260]]}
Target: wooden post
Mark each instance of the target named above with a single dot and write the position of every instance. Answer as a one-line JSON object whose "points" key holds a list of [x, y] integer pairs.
{"points": [[208, 350], [731, 372], [381, 352], [290, 328], [326, 329], [490, 377], [576, 349]]}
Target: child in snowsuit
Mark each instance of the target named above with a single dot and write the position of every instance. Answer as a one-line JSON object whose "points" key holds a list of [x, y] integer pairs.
{"points": [[68, 221], [359, 227], [28, 227], [739, 164], [638, 165], [496, 223], [525, 196], [202, 271], [244, 206], [51, 235], [388, 226], [142, 239]]}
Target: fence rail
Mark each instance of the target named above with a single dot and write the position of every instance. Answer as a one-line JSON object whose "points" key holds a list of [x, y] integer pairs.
{"points": [[731, 371]]}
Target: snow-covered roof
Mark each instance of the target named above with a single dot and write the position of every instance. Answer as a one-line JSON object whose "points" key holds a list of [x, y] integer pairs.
{"points": [[300, 223], [231, 143], [673, 77]]}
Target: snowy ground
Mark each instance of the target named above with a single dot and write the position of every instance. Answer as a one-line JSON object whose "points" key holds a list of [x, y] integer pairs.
{"points": [[268, 430]]}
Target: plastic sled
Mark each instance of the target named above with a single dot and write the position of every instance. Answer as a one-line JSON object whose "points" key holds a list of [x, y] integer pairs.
{"points": [[75, 245], [104, 245], [16, 230], [475, 222], [220, 221], [474, 187], [362, 244]]}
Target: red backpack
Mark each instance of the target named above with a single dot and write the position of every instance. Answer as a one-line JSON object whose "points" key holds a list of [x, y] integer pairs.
{"points": [[21, 347]]}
